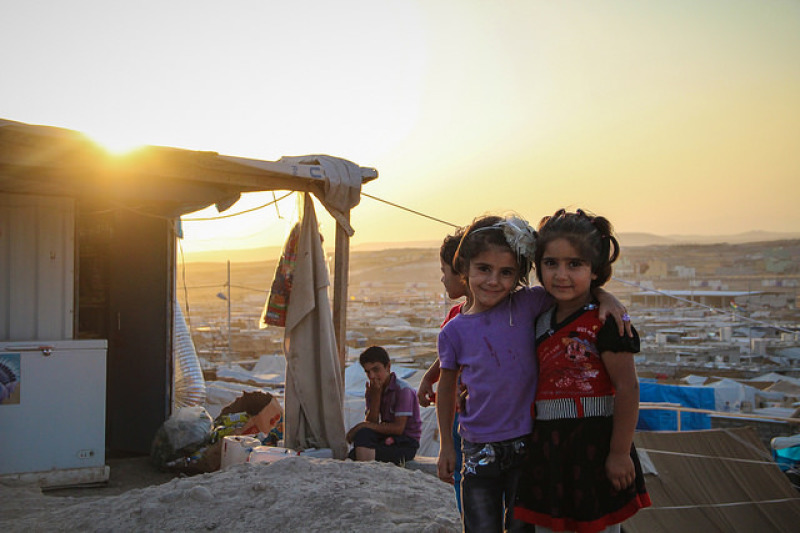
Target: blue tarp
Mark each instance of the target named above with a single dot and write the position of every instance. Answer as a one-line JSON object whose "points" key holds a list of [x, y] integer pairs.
{"points": [[786, 452], [787, 457], [659, 420]]}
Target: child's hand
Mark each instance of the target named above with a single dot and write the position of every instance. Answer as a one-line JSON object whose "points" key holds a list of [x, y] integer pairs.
{"points": [[620, 470], [609, 305], [425, 394], [373, 390], [461, 400], [446, 464]]}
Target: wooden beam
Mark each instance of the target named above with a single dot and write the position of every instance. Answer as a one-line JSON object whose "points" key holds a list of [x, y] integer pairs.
{"points": [[340, 282]]}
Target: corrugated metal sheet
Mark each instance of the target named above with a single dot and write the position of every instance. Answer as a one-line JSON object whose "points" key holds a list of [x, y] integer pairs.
{"points": [[37, 267]]}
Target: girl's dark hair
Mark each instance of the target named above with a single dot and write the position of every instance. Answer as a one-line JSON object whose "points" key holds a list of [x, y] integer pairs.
{"points": [[475, 242], [591, 235], [449, 246]]}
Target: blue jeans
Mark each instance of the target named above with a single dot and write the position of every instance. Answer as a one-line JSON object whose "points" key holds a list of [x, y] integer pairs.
{"points": [[488, 485], [459, 459]]}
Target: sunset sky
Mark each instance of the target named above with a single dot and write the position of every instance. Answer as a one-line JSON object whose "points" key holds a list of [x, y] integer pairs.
{"points": [[668, 117]]}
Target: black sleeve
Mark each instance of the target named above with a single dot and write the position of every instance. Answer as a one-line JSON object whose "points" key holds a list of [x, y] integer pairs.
{"points": [[609, 340]]}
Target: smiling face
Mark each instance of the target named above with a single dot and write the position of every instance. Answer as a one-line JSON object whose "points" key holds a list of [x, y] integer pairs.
{"points": [[491, 276], [566, 275]]}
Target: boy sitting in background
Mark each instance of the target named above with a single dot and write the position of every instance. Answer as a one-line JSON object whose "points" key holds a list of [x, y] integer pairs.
{"points": [[392, 426]]}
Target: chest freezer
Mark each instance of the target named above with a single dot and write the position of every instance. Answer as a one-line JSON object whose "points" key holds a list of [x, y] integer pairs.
{"points": [[52, 411]]}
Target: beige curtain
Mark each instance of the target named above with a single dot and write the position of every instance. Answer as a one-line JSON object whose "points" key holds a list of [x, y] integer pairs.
{"points": [[314, 404]]}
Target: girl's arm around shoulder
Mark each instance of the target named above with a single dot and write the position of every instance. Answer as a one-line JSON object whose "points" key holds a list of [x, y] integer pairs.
{"points": [[610, 306]]}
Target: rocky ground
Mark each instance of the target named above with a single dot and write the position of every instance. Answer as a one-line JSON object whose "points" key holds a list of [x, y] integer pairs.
{"points": [[293, 494]]}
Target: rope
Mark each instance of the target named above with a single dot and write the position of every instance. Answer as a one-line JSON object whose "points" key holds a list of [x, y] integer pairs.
{"points": [[220, 217], [183, 281], [410, 210], [716, 505], [704, 456]]}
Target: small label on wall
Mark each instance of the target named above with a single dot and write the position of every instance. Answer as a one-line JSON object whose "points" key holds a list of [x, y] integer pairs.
{"points": [[10, 378]]}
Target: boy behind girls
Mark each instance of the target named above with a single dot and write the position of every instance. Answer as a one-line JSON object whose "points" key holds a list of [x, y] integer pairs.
{"points": [[392, 426]]}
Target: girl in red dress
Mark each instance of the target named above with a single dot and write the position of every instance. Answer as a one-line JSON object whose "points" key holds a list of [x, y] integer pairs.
{"points": [[581, 471]]}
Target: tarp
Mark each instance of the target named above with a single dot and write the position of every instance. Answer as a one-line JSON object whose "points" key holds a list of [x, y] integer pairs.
{"points": [[715, 480], [786, 452], [658, 420], [313, 402], [775, 377], [730, 395]]}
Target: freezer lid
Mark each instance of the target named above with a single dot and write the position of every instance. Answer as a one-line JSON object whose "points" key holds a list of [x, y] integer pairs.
{"points": [[52, 346]]}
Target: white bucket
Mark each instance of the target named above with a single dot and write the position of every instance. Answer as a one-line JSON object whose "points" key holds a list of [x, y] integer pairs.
{"points": [[236, 449], [269, 454]]}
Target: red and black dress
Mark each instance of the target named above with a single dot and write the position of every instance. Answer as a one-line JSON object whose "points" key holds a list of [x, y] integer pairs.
{"points": [[564, 485]]}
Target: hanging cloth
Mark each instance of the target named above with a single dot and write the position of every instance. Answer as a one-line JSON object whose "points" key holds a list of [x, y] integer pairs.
{"points": [[314, 401], [274, 313], [342, 185]]}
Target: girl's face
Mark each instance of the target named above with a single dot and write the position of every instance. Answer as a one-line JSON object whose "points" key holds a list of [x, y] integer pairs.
{"points": [[453, 283], [492, 276], [566, 275]]}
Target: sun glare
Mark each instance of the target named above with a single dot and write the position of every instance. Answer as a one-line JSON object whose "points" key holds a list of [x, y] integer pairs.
{"points": [[117, 144]]}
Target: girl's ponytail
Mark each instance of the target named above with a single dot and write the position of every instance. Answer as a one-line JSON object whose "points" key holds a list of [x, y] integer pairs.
{"points": [[606, 231]]}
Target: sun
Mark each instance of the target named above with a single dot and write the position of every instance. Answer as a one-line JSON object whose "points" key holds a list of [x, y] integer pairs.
{"points": [[117, 143]]}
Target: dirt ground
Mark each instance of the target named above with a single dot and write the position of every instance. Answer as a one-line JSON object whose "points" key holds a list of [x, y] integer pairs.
{"points": [[126, 473], [293, 494]]}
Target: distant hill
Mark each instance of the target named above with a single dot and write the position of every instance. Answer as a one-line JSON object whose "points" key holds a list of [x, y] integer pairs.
{"points": [[375, 246], [625, 239], [738, 238], [648, 239], [645, 239]]}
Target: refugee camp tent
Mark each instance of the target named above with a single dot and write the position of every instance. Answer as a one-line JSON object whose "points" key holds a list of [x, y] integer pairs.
{"points": [[712, 480], [92, 236]]}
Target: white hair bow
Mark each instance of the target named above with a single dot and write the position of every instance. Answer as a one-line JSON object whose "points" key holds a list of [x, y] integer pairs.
{"points": [[520, 237]]}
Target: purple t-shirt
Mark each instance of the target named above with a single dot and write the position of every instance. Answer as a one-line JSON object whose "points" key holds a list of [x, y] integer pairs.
{"points": [[496, 352], [400, 399]]}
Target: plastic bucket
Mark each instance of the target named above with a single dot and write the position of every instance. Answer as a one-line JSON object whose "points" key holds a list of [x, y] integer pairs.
{"points": [[236, 449]]}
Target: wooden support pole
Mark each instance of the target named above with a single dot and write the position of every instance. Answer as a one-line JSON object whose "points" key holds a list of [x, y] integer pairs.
{"points": [[340, 282]]}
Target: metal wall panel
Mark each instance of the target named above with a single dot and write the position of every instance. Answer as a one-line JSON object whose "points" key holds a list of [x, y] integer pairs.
{"points": [[37, 267]]}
